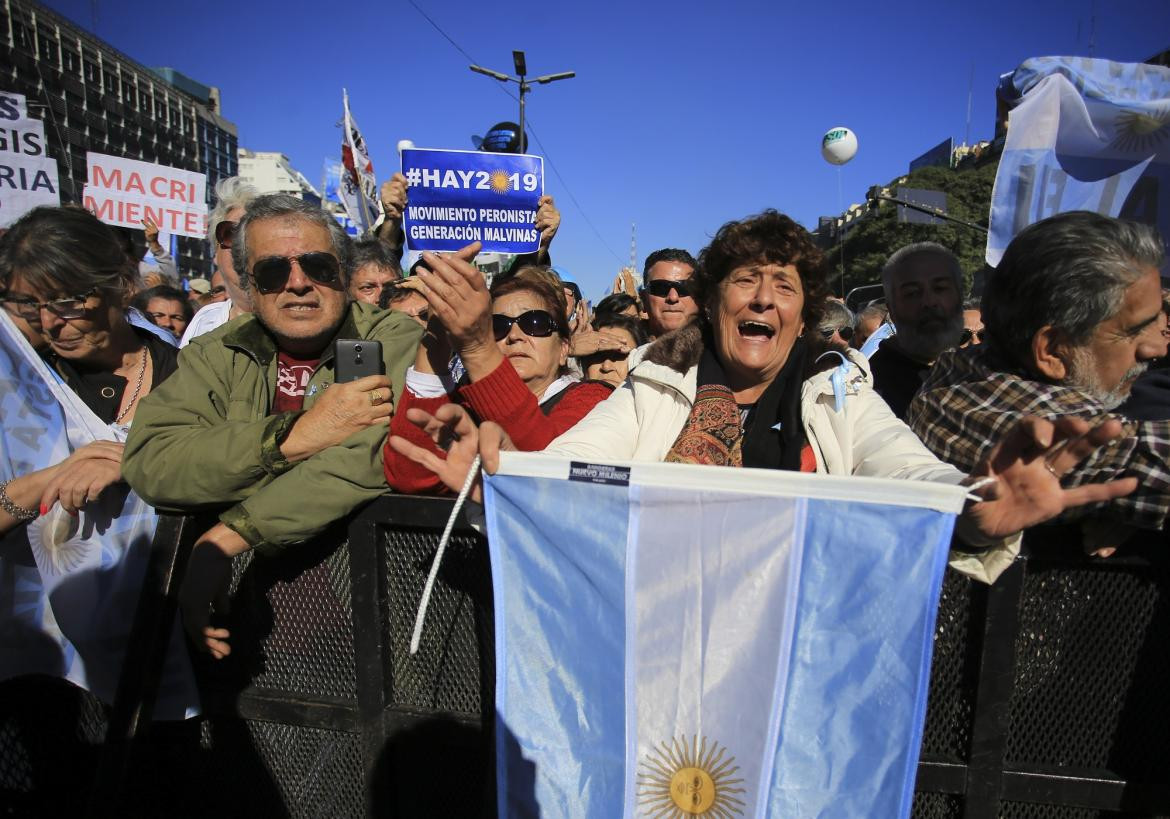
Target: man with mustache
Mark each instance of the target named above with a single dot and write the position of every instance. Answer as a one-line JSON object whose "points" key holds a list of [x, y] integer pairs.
{"points": [[924, 285], [255, 415], [1072, 316]]}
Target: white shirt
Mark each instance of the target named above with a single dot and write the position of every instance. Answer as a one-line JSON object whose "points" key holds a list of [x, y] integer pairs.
{"points": [[207, 319]]}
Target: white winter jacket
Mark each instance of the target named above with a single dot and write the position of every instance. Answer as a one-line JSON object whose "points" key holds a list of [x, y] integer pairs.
{"points": [[643, 418]]}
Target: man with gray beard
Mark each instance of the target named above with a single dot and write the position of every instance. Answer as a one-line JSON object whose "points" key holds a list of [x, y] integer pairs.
{"points": [[1072, 316], [924, 292]]}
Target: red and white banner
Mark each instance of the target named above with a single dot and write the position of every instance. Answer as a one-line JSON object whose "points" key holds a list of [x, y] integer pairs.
{"points": [[123, 192]]}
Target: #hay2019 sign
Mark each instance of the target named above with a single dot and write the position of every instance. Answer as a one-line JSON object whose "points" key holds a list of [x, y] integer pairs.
{"points": [[459, 197]]}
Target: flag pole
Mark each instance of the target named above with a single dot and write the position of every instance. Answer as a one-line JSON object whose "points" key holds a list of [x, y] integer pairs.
{"points": [[357, 176]]}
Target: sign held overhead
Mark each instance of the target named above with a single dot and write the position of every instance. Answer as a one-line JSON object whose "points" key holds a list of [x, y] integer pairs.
{"points": [[123, 192]]}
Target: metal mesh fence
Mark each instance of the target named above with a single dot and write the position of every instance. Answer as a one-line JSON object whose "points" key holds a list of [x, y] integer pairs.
{"points": [[456, 656], [1091, 666], [292, 621], [936, 806], [1033, 810], [954, 672]]}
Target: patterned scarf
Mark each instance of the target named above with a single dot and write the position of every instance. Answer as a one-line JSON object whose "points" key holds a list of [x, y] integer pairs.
{"points": [[774, 434]]}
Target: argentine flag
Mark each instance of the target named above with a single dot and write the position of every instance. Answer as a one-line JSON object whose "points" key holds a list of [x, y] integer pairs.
{"points": [[1085, 135], [677, 641]]}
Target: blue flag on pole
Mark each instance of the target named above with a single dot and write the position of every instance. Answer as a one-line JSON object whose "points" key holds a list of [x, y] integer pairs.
{"points": [[1085, 135], [677, 640], [460, 197]]}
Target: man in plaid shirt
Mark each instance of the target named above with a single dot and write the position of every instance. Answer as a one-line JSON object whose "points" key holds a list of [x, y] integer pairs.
{"points": [[1072, 316]]}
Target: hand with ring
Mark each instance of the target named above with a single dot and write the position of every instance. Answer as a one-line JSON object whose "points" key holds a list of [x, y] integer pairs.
{"points": [[339, 412]]}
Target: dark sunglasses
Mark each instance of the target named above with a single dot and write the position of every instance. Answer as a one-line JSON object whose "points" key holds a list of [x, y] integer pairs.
{"points": [[225, 232], [604, 355], [534, 323], [970, 334], [662, 287], [271, 274], [846, 332]]}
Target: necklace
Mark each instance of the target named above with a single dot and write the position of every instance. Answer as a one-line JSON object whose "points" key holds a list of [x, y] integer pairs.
{"points": [[137, 388]]}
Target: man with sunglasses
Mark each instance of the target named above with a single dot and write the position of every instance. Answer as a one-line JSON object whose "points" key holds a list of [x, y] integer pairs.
{"points": [[666, 290], [253, 417], [923, 284]]}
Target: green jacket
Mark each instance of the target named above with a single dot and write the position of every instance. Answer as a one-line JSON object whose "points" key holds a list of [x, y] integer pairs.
{"points": [[204, 438]]}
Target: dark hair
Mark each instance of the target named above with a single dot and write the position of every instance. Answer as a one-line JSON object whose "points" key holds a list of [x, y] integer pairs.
{"points": [[614, 304], [571, 286], [668, 254], [1069, 271], [66, 250], [142, 299], [537, 280], [375, 251], [283, 206], [628, 323], [766, 238]]}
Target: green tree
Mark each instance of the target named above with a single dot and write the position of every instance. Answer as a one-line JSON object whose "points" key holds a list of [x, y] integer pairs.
{"points": [[872, 239]]}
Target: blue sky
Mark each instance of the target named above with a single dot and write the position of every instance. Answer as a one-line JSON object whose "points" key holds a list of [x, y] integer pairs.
{"points": [[683, 115]]}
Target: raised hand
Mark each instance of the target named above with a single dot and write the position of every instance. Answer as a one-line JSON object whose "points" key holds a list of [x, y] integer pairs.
{"points": [[452, 430], [548, 221], [393, 196], [1028, 464]]}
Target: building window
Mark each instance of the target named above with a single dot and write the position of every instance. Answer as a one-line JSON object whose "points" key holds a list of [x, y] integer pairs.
{"points": [[91, 72], [48, 46], [20, 36], [71, 60], [111, 83]]}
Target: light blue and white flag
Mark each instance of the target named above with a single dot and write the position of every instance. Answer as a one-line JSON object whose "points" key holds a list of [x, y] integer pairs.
{"points": [[676, 640], [69, 586], [1085, 135]]}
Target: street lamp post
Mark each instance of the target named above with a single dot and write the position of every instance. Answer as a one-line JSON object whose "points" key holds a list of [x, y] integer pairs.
{"points": [[521, 67]]}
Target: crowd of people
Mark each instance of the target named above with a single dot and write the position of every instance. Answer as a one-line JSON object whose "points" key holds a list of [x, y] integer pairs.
{"points": [[226, 397]]}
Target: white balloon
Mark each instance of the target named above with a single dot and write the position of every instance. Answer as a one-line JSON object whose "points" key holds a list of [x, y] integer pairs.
{"points": [[405, 145], [838, 145]]}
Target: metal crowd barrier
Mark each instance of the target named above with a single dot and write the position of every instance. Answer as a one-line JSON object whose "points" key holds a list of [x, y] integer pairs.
{"points": [[1046, 699]]}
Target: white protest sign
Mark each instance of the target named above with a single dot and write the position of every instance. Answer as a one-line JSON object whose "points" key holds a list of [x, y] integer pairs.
{"points": [[123, 192], [28, 175]]}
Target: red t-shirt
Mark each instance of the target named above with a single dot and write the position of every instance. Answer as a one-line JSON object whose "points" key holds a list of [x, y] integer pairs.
{"points": [[292, 377]]}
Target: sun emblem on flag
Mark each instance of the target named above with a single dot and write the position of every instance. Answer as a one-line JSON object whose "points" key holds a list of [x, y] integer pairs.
{"points": [[680, 779], [1142, 131], [500, 182]]}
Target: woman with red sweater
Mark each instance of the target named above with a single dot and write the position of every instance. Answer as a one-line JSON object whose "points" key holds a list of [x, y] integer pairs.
{"points": [[513, 342]]}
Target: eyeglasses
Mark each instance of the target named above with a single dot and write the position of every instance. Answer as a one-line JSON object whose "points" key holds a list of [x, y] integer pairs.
{"points": [[534, 323], [217, 291], [225, 233], [30, 309], [845, 332], [271, 274], [965, 339], [662, 287]]}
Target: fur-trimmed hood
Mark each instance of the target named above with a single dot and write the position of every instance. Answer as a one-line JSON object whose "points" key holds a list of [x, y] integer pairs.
{"points": [[681, 349]]}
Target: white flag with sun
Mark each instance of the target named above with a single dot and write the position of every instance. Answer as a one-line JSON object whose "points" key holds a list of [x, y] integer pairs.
{"points": [[1083, 135], [676, 641]]}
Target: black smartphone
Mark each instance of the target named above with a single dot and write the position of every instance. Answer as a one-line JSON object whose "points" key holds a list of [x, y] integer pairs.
{"points": [[355, 358]]}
